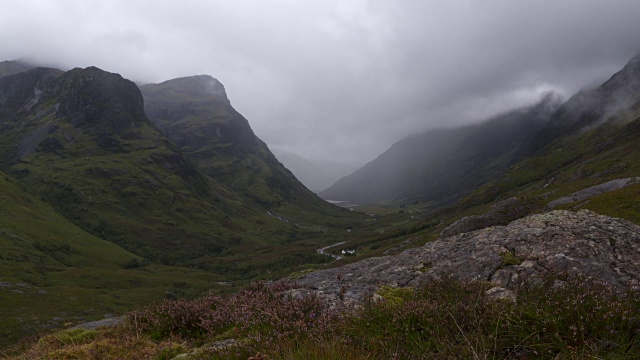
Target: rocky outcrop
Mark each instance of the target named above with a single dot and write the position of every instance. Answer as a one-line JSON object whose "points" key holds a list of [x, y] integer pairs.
{"points": [[560, 244], [591, 192]]}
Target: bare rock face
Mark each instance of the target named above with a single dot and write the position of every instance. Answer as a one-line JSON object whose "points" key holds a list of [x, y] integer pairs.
{"points": [[560, 244]]}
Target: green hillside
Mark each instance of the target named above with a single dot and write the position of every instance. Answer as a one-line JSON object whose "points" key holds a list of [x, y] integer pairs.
{"points": [[572, 163], [53, 273]]}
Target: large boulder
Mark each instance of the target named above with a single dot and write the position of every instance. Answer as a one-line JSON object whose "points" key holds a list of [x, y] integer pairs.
{"points": [[557, 244]]}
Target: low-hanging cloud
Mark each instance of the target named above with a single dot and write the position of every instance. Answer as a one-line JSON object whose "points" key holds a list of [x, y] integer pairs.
{"points": [[340, 79]]}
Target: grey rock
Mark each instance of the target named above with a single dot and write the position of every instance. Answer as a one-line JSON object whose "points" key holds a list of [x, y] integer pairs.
{"points": [[591, 192], [109, 322], [200, 353], [499, 293], [560, 244]]}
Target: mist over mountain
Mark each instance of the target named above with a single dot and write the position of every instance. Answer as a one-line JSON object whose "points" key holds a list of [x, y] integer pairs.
{"points": [[10, 67], [316, 175], [442, 165], [593, 107]]}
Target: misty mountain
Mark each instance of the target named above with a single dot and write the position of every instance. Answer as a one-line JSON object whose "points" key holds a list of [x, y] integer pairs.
{"points": [[591, 108], [316, 175], [13, 67], [196, 115], [442, 165]]}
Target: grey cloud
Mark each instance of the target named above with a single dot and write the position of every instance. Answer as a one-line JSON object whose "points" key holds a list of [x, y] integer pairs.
{"points": [[340, 79]]}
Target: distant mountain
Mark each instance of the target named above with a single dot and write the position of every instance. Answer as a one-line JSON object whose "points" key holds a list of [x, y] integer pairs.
{"points": [[195, 114], [13, 67], [316, 175], [442, 165]]}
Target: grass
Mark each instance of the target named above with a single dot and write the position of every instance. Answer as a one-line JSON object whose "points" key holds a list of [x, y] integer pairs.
{"points": [[442, 320]]}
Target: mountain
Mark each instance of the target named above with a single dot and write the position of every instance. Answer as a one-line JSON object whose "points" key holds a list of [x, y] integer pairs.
{"points": [[82, 141], [316, 175], [196, 115], [13, 67], [442, 165], [591, 108]]}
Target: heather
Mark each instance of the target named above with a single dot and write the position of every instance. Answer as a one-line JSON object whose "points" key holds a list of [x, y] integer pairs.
{"points": [[444, 319]]}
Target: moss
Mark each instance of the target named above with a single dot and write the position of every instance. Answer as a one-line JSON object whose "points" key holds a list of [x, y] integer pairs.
{"points": [[508, 258], [395, 295]]}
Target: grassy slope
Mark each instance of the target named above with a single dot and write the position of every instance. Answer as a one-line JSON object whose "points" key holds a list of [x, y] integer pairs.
{"points": [[51, 269]]}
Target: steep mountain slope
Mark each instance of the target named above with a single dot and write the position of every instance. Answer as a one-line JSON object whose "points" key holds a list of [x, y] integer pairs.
{"points": [[30, 230], [576, 162], [195, 113], [81, 139], [442, 165], [593, 107], [592, 139]]}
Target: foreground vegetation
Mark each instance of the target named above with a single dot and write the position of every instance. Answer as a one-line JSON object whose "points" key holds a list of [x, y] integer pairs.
{"points": [[444, 319]]}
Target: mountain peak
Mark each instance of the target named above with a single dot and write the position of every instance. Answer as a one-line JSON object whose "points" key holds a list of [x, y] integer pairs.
{"points": [[197, 86], [97, 99], [10, 67]]}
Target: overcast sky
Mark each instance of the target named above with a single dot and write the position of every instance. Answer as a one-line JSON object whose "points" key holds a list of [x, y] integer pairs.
{"points": [[341, 79]]}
